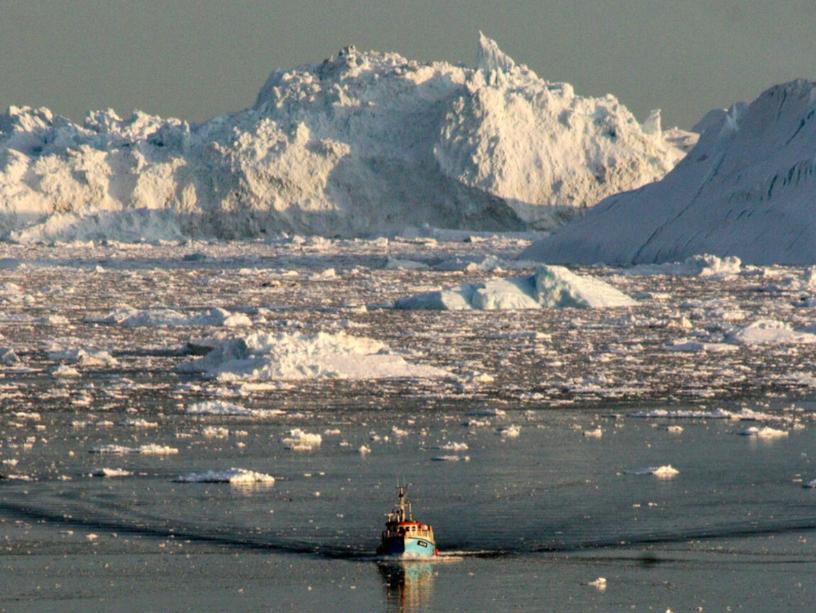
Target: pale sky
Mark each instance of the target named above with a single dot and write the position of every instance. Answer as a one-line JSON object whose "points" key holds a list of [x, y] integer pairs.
{"points": [[198, 58]]}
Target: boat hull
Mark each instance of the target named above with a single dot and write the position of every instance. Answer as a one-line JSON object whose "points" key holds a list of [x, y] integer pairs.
{"points": [[407, 546]]}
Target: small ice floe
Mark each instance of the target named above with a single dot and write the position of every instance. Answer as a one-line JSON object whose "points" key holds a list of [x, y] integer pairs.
{"points": [[666, 471], [8, 357], [329, 273], [220, 407], [682, 414], [674, 429], [233, 476], [63, 371], [704, 265], [487, 413], [17, 477], [596, 433], [110, 473], [765, 432], [398, 432], [809, 485], [300, 440], [549, 287], [599, 584], [130, 317], [453, 446], [511, 431], [150, 449], [451, 458], [364, 450], [693, 346], [54, 320], [82, 356], [215, 432], [141, 423], [400, 264], [770, 332]]}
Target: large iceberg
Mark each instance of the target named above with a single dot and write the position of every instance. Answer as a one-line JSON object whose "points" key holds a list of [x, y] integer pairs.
{"points": [[363, 143], [748, 189], [549, 287]]}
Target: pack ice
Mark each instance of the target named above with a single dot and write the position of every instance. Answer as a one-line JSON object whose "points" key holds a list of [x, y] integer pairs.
{"points": [[362, 143], [747, 189], [549, 287]]}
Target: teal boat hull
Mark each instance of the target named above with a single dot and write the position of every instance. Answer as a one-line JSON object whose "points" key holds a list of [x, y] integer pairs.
{"points": [[408, 546]]}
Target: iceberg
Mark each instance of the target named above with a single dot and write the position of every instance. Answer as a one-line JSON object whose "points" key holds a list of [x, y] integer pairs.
{"points": [[549, 287], [746, 190], [362, 143]]}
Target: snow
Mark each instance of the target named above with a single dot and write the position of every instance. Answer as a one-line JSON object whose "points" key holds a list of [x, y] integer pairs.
{"points": [[296, 355], [745, 190], [233, 476], [362, 143], [549, 287]]}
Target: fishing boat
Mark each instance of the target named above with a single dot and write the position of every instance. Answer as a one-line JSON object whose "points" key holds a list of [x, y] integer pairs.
{"points": [[403, 536]]}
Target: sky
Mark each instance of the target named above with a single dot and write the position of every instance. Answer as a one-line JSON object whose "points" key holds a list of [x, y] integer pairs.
{"points": [[198, 58]]}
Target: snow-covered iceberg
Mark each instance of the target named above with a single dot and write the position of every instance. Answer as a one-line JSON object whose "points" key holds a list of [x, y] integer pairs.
{"points": [[549, 287], [362, 143], [747, 189], [295, 355]]}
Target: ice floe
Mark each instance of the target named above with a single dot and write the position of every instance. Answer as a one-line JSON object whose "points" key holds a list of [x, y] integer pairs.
{"points": [[770, 332], [130, 317], [765, 433], [666, 471], [297, 355], [300, 440], [111, 473], [233, 476], [150, 449], [221, 407]]}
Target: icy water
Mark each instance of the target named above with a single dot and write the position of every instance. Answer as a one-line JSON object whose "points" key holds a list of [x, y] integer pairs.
{"points": [[534, 458]]}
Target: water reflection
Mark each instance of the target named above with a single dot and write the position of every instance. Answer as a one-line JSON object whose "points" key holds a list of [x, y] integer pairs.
{"points": [[408, 585]]}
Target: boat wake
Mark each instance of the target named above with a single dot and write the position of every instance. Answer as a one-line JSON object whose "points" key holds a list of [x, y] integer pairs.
{"points": [[273, 544]]}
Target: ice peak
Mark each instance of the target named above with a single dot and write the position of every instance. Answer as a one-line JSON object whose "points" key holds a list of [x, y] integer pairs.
{"points": [[491, 58], [652, 125]]}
